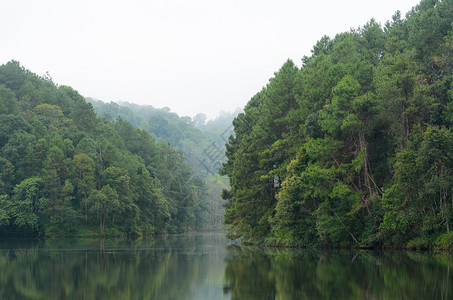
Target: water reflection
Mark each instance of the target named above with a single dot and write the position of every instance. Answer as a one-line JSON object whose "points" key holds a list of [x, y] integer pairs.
{"points": [[189, 267], [209, 267], [253, 273]]}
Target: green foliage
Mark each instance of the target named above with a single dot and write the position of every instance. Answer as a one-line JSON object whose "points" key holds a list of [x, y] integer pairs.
{"points": [[65, 172], [355, 148], [444, 241], [103, 203], [420, 243], [193, 137], [201, 144], [28, 203]]}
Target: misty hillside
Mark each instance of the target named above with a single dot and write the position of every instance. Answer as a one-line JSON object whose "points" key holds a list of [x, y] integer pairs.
{"points": [[66, 172], [202, 141]]}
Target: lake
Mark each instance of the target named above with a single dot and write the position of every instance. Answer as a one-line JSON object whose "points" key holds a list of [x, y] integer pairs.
{"points": [[207, 266]]}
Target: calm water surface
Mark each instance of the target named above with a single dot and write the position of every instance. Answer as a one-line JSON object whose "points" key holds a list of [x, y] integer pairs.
{"points": [[206, 266]]}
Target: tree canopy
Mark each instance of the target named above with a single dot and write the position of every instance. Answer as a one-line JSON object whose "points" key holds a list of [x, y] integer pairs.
{"points": [[65, 172], [356, 146]]}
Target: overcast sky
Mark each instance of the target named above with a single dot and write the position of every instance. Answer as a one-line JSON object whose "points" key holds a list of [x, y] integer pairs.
{"points": [[191, 56]]}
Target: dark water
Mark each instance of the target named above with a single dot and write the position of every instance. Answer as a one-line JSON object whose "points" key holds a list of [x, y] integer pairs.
{"points": [[206, 266]]}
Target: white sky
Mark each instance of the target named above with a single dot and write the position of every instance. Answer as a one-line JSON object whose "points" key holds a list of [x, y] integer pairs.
{"points": [[191, 56]]}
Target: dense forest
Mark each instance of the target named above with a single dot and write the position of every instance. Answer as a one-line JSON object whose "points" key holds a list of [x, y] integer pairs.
{"points": [[201, 141], [355, 148], [194, 136], [66, 172]]}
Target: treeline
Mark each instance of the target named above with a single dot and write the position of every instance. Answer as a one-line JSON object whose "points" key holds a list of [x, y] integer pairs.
{"points": [[66, 172], [202, 143], [355, 148], [162, 123], [195, 137]]}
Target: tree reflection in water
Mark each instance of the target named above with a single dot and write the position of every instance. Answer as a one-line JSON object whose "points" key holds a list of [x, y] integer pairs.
{"points": [[254, 273], [208, 267], [166, 268]]}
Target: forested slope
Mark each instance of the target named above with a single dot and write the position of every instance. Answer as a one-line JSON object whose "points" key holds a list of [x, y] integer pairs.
{"points": [[66, 172], [355, 148], [162, 123], [195, 137], [202, 143]]}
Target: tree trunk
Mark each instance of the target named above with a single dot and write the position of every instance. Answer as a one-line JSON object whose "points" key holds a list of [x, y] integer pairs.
{"points": [[366, 168], [102, 223]]}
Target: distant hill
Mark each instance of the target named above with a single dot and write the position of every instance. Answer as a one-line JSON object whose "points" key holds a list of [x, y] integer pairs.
{"points": [[203, 142], [66, 172]]}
